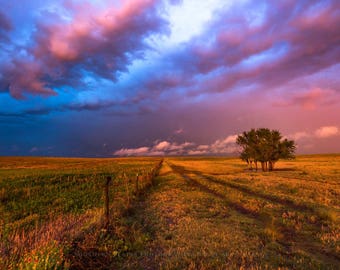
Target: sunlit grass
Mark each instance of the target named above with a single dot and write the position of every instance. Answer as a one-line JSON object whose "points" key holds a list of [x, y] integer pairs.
{"points": [[291, 211]]}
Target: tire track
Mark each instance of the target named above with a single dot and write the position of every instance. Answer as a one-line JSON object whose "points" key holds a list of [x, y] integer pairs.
{"points": [[234, 205]]}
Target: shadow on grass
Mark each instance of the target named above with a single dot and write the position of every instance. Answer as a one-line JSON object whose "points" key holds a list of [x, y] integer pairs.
{"points": [[272, 198], [235, 205], [289, 235], [286, 170], [89, 258]]}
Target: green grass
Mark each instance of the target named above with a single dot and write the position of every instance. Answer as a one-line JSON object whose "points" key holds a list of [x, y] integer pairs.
{"points": [[199, 213], [43, 197]]}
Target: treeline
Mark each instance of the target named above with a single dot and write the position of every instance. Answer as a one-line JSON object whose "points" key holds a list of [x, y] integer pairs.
{"points": [[265, 146]]}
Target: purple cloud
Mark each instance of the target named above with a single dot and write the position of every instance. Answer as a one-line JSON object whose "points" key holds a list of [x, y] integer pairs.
{"points": [[310, 99], [290, 40], [94, 42]]}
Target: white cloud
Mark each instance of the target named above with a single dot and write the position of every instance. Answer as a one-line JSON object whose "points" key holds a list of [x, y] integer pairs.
{"points": [[322, 132], [223, 146], [230, 139], [197, 152], [184, 27], [219, 147], [203, 147], [164, 145], [132, 151], [299, 135], [327, 131], [177, 147]]}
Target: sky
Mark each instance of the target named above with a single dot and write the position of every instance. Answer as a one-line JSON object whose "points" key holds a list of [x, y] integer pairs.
{"points": [[166, 77]]}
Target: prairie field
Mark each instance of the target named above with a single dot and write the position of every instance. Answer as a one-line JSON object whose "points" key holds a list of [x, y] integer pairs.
{"points": [[171, 213]]}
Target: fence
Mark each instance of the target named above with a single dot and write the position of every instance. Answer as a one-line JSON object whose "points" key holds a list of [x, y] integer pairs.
{"points": [[142, 180]]}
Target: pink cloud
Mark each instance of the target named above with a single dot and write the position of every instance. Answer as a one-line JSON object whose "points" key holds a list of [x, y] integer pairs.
{"points": [[26, 75], [236, 41], [179, 131], [309, 99], [327, 131]]}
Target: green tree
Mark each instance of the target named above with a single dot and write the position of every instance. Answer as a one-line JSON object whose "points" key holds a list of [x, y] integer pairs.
{"points": [[248, 141], [265, 146]]}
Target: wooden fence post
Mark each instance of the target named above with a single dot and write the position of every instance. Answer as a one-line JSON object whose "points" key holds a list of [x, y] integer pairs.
{"points": [[107, 202]]}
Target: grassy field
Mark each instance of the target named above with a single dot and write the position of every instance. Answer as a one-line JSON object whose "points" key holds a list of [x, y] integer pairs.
{"points": [[198, 213], [51, 208]]}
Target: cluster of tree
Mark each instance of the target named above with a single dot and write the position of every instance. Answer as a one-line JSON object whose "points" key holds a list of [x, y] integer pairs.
{"points": [[265, 146]]}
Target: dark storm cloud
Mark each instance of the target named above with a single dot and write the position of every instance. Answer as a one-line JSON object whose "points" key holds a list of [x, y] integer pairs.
{"points": [[96, 43], [5, 28], [125, 107], [5, 24]]}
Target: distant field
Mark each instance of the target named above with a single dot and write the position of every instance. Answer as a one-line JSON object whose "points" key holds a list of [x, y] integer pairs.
{"points": [[199, 213]]}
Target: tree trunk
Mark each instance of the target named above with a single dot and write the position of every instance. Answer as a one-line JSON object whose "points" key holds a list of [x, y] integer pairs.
{"points": [[270, 165], [263, 166]]}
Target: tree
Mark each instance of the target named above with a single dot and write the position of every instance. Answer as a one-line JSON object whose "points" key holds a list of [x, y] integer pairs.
{"points": [[264, 146], [248, 140]]}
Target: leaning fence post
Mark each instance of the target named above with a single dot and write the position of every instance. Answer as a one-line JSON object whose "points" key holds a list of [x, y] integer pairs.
{"points": [[107, 202]]}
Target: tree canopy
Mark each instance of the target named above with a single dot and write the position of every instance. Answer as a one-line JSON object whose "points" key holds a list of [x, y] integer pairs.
{"points": [[265, 146]]}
